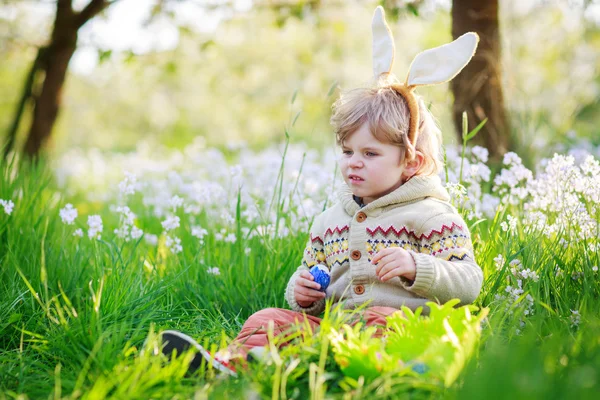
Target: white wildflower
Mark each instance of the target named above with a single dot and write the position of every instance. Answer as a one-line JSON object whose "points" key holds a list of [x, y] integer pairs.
{"points": [[510, 225], [174, 244], [151, 239], [122, 232], [499, 261], [595, 268], [78, 232], [227, 218], [575, 318], [236, 170], [247, 251], [481, 153], [128, 185], [231, 238], [176, 202], [136, 232], [8, 206], [213, 270], [199, 232], [95, 226], [511, 158], [172, 222]]}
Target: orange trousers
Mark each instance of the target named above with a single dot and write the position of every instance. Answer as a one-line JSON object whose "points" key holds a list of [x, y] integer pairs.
{"points": [[254, 330]]}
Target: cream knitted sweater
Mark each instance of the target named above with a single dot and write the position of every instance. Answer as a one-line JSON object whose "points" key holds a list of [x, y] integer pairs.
{"points": [[418, 217]]}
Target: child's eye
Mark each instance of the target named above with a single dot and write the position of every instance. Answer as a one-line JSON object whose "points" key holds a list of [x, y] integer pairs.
{"points": [[347, 152], [370, 154]]}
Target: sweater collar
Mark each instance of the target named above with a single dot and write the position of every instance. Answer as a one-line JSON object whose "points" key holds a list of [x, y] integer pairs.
{"points": [[416, 188]]}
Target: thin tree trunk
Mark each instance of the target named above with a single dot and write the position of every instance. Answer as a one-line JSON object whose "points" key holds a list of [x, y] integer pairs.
{"points": [[48, 102], [26, 95], [477, 89], [58, 54], [56, 59]]}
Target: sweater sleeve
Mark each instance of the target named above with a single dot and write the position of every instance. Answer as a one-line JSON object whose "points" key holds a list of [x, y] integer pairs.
{"points": [[314, 253], [446, 267]]}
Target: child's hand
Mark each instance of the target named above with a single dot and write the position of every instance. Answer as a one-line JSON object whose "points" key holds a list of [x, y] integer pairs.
{"points": [[306, 291], [394, 261]]}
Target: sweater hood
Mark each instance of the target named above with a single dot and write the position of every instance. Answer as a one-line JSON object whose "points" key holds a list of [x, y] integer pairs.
{"points": [[416, 188]]}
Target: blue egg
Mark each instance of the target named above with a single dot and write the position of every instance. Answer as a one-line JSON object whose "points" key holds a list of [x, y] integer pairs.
{"points": [[321, 275], [420, 368]]}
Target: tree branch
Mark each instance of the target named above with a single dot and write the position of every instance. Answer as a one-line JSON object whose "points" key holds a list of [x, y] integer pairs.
{"points": [[93, 8]]}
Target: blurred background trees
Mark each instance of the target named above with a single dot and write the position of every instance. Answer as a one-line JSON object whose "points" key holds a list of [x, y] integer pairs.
{"points": [[230, 69]]}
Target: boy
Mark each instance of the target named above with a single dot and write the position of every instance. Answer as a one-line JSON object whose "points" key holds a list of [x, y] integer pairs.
{"points": [[393, 239]]}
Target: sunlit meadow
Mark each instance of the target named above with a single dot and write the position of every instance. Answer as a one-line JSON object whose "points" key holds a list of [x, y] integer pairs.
{"points": [[99, 255]]}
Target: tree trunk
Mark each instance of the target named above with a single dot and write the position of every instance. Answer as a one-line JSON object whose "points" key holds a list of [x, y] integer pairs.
{"points": [[55, 65], [478, 88], [25, 96], [47, 103]]}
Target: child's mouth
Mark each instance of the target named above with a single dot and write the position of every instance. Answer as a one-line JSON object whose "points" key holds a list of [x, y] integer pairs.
{"points": [[355, 179]]}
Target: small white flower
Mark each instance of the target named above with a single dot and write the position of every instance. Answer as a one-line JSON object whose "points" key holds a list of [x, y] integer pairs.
{"points": [[127, 186], [151, 239], [231, 238], [227, 218], [174, 244], [499, 261], [575, 318], [172, 222], [78, 232], [248, 249], [481, 153], [136, 232], [176, 202], [595, 268], [213, 270], [8, 206], [95, 226], [199, 232], [236, 170]]}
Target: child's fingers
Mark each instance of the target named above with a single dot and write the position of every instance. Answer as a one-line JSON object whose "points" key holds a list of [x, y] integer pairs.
{"points": [[307, 275], [387, 268], [391, 274], [306, 294], [383, 262], [379, 255], [307, 283]]}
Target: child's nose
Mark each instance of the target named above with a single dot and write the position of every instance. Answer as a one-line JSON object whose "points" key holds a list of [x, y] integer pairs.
{"points": [[355, 162]]}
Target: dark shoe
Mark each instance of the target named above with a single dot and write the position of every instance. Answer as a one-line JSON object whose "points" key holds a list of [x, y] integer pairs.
{"points": [[180, 342]]}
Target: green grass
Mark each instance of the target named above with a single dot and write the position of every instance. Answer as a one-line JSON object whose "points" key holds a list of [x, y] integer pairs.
{"points": [[75, 312]]}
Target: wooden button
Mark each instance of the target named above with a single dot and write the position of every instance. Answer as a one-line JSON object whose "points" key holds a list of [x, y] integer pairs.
{"points": [[361, 216], [355, 255], [359, 289]]}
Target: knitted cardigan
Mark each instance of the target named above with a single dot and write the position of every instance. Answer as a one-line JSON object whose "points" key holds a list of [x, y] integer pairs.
{"points": [[417, 217]]}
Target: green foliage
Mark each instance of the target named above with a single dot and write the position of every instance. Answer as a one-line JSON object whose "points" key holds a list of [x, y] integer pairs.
{"points": [[76, 313]]}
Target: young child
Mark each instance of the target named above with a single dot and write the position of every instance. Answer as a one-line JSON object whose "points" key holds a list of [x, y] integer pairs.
{"points": [[393, 239]]}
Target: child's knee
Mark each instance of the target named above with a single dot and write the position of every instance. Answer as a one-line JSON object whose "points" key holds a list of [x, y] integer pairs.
{"points": [[279, 316]]}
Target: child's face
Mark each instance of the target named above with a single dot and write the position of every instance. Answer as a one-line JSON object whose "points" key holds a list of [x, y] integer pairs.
{"points": [[370, 168]]}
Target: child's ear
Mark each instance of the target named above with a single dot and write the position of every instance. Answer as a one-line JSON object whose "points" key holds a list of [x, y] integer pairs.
{"points": [[413, 166]]}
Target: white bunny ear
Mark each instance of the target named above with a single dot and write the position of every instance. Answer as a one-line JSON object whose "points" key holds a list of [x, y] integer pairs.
{"points": [[383, 44], [441, 64]]}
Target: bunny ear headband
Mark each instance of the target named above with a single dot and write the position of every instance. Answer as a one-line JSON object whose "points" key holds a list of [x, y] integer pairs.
{"points": [[430, 67]]}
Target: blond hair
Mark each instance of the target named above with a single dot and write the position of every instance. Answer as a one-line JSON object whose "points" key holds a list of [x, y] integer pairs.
{"points": [[386, 112]]}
